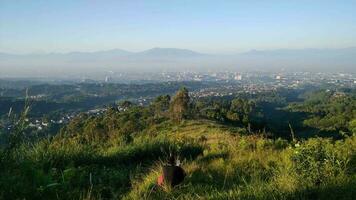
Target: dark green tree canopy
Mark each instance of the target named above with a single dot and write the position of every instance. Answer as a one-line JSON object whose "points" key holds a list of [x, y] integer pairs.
{"points": [[160, 105]]}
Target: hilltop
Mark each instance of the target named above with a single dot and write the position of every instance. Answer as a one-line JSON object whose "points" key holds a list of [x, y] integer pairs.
{"points": [[119, 155], [220, 163]]}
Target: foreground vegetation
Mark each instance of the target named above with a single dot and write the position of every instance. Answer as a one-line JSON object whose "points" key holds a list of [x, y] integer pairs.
{"points": [[119, 155]]}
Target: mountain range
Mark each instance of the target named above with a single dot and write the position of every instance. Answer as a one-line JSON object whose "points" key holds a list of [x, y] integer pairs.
{"points": [[173, 59]]}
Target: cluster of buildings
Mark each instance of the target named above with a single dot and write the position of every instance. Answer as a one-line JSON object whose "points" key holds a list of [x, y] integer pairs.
{"points": [[233, 76], [253, 83], [41, 124], [221, 84]]}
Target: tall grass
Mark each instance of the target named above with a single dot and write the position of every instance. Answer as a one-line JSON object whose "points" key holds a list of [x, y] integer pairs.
{"points": [[252, 167], [220, 164]]}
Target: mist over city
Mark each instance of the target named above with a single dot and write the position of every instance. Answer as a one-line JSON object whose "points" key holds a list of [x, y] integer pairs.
{"points": [[100, 63]]}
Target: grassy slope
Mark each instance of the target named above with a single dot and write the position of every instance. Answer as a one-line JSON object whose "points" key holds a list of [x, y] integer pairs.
{"points": [[244, 167], [220, 164]]}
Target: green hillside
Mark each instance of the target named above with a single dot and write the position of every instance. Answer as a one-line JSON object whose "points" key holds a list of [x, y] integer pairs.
{"points": [[220, 164], [119, 155]]}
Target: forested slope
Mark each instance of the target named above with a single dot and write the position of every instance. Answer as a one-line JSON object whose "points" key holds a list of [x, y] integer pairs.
{"points": [[119, 155]]}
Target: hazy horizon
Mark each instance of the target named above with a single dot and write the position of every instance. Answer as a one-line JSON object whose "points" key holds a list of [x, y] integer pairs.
{"points": [[158, 47], [67, 38], [204, 26], [97, 64]]}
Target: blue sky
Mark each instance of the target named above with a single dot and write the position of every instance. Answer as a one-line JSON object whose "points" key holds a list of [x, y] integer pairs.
{"points": [[207, 26]]}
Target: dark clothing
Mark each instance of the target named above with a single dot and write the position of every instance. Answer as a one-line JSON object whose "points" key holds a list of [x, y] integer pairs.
{"points": [[173, 175]]}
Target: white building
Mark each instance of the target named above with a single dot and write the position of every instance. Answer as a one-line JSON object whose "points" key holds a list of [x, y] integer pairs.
{"points": [[238, 77]]}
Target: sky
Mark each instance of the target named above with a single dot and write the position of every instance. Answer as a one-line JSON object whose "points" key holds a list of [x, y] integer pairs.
{"points": [[45, 26]]}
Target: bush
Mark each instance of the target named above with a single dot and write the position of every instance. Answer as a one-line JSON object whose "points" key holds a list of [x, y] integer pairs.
{"points": [[317, 161]]}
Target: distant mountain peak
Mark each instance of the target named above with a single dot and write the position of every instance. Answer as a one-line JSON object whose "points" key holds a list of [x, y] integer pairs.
{"points": [[158, 51]]}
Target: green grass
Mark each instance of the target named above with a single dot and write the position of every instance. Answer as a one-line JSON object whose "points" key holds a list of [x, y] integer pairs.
{"points": [[220, 164]]}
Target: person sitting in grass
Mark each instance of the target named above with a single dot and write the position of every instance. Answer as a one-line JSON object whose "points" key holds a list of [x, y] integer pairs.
{"points": [[172, 174]]}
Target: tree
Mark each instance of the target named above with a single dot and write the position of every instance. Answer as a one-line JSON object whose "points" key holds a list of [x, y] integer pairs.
{"points": [[179, 107], [160, 105], [240, 110]]}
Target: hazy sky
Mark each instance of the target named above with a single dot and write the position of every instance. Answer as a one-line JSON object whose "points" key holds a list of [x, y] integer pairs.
{"points": [[207, 26]]}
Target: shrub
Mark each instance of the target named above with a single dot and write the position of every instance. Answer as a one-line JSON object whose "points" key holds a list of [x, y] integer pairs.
{"points": [[317, 162]]}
